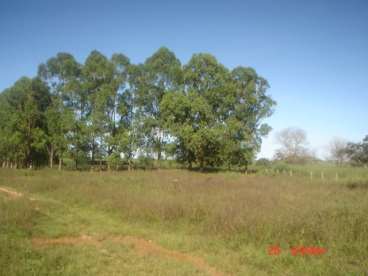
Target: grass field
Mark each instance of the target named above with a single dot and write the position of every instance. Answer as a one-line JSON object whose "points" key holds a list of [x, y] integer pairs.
{"points": [[176, 222]]}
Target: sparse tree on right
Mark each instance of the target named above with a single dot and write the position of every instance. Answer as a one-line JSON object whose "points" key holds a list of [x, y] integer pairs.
{"points": [[337, 150], [293, 142]]}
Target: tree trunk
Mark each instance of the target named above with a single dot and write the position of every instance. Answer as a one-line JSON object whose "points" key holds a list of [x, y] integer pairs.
{"points": [[201, 165], [159, 158], [129, 165], [245, 168], [93, 150], [60, 163], [51, 157]]}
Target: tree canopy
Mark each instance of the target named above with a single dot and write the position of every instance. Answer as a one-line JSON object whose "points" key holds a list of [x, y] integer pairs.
{"points": [[293, 142], [107, 109], [358, 152]]}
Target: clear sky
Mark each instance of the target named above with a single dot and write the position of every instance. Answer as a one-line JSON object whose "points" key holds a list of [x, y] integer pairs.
{"points": [[314, 53]]}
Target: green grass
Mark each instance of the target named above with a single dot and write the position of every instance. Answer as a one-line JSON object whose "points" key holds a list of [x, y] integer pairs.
{"points": [[228, 219], [329, 171]]}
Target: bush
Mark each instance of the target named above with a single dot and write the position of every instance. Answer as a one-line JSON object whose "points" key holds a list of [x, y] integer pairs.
{"points": [[144, 162], [280, 166], [114, 161], [263, 162]]}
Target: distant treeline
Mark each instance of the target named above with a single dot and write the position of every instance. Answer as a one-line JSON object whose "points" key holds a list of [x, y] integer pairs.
{"points": [[201, 114]]}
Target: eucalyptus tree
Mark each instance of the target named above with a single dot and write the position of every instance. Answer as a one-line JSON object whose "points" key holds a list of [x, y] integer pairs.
{"points": [[131, 128], [60, 121], [104, 80], [116, 108], [190, 114], [217, 118], [186, 118], [61, 73], [160, 74], [107, 107], [25, 104], [127, 138], [97, 74], [6, 144], [116, 99], [250, 105]]}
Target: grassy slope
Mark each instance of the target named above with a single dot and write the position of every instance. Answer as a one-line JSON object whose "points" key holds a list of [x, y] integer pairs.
{"points": [[228, 219]]}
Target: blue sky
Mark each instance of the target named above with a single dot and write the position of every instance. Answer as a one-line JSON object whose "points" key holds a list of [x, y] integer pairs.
{"points": [[314, 53]]}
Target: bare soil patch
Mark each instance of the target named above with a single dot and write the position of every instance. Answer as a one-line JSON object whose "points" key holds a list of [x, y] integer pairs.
{"points": [[142, 246], [9, 192]]}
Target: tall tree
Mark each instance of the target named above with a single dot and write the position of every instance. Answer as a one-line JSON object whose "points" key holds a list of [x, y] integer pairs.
{"points": [[358, 152], [119, 85], [245, 111], [205, 81], [338, 153], [97, 75], [105, 81], [107, 108], [26, 101], [293, 142], [217, 118], [160, 74], [60, 73], [7, 145]]}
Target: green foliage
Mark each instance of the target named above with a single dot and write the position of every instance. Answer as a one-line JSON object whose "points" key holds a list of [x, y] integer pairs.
{"points": [[201, 114], [23, 122], [144, 162], [263, 162], [114, 161], [216, 118], [161, 73], [358, 152]]}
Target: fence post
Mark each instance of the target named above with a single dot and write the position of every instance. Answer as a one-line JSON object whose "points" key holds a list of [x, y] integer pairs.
{"points": [[337, 177], [291, 172], [311, 175], [322, 176]]}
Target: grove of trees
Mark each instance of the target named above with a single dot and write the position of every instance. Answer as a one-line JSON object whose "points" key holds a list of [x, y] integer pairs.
{"points": [[107, 109], [294, 149]]}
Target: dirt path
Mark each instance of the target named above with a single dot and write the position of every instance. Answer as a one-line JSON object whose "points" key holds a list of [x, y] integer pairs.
{"points": [[142, 246], [12, 194]]}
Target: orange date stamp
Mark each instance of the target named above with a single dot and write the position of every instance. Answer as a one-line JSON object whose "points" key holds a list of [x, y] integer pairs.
{"points": [[275, 250]]}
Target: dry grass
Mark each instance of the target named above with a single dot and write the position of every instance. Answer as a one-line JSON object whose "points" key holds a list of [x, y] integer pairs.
{"points": [[232, 210]]}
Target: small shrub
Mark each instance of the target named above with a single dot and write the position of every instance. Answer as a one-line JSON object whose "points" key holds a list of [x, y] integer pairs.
{"points": [[357, 185], [144, 162]]}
